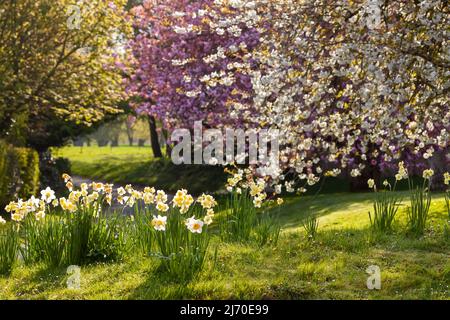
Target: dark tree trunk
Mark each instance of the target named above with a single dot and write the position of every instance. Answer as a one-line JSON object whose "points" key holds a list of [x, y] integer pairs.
{"points": [[168, 145], [154, 141]]}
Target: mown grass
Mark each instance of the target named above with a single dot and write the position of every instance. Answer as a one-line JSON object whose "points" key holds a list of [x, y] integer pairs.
{"points": [[136, 165], [330, 267]]}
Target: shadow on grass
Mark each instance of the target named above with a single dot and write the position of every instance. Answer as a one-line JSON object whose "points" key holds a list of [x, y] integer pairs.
{"points": [[40, 280]]}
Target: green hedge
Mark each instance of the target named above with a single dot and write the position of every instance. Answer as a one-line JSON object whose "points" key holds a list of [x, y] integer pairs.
{"points": [[19, 173]]}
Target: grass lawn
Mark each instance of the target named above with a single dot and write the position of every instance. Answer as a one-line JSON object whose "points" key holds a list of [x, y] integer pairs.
{"points": [[136, 165], [331, 267]]}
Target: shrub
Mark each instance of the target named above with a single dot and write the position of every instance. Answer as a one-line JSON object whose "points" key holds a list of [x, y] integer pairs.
{"points": [[51, 170], [27, 161], [19, 172]]}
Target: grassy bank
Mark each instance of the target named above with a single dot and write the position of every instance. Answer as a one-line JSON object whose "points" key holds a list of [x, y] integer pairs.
{"points": [[136, 165], [331, 267]]}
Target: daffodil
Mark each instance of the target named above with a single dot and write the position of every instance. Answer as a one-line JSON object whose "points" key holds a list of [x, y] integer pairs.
{"points": [[108, 198], [208, 219], [66, 177], [194, 225], [257, 202], [447, 178], [427, 174], [161, 196], [121, 191], [108, 188], [98, 186], [179, 197], [2, 221], [148, 197], [10, 207], [48, 195], [40, 215], [69, 185], [280, 201], [371, 183], [161, 206], [159, 223], [207, 201], [149, 190], [17, 217]]}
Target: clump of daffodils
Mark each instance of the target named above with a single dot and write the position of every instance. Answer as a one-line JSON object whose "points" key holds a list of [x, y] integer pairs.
{"points": [[183, 201], [371, 184], [447, 178], [20, 209], [92, 195], [207, 201], [244, 180], [402, 172]]}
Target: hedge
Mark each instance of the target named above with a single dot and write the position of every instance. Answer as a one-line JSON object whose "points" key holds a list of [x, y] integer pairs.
{"points": [[19, 173]]}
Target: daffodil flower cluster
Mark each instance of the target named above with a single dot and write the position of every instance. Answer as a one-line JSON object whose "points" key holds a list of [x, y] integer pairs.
{"points": [[243, 179], [94, 195], [84, 197], [183, 201]]}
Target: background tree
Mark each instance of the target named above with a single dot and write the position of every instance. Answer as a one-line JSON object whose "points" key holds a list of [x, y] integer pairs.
{"points": [[55, 67], [184, 71], [352, 85]]}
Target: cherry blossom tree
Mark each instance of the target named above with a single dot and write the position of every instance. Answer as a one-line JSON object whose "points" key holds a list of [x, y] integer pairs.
{"points": [[354, 85], [192, 62]]}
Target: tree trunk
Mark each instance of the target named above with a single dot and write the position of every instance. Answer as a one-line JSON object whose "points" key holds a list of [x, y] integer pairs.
{"points": [[154, 141], [168, 145]]}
